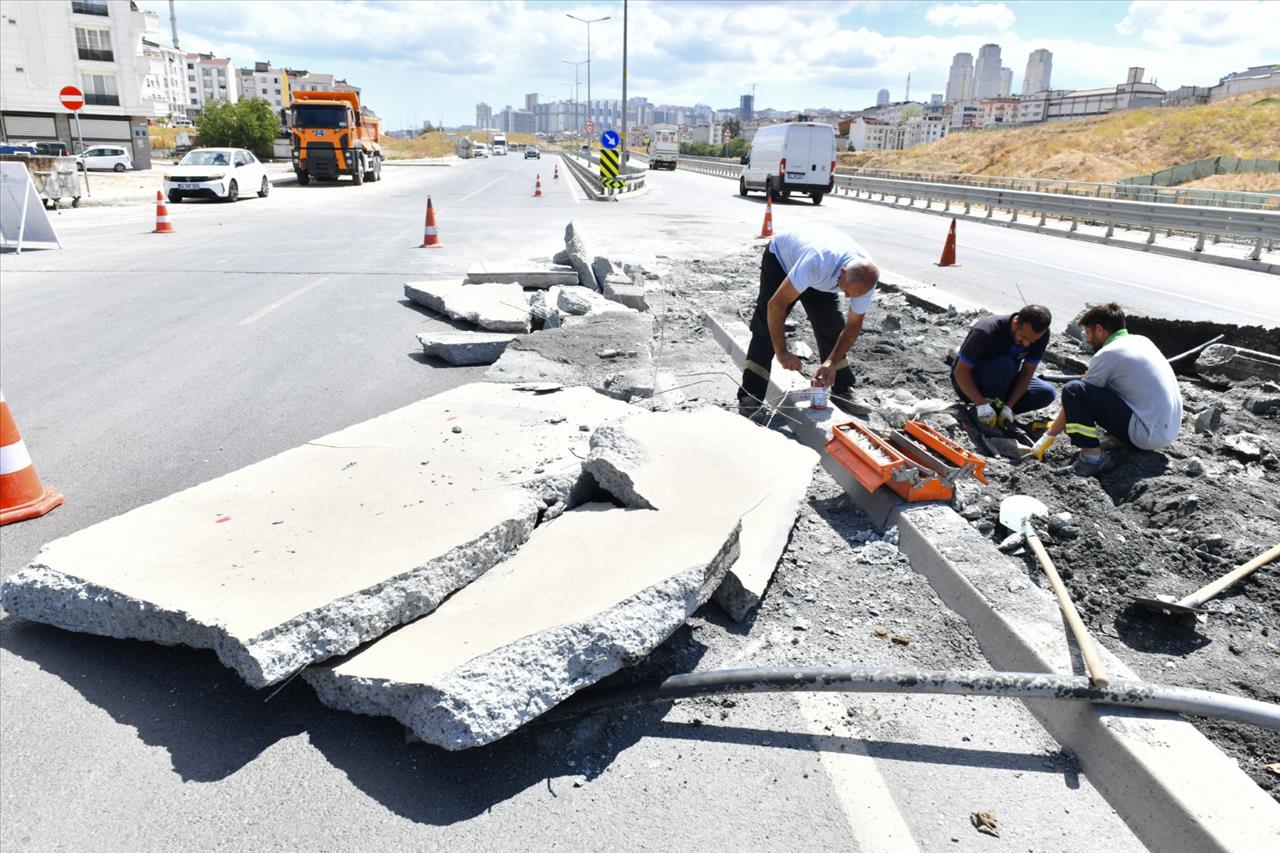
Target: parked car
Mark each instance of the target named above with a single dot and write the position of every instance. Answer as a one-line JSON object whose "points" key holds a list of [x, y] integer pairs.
{"points": [[105, 157], [481, 151], [218, 173], [793, 157], [531, 152]]}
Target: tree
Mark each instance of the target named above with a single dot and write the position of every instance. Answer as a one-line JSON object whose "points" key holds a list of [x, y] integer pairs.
{"points": [[248, 124], [734, 126]]}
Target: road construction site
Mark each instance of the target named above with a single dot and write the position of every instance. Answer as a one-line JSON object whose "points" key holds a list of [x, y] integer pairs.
{"points": [[378, 530]]}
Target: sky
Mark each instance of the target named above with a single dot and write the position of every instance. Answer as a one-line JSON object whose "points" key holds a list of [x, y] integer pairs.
{"points": [[427, 60]]}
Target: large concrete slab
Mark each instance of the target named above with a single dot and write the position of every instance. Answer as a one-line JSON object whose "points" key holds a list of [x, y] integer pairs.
{"points": [[590, 592], [496, 307], [713, 465], [312, 552], [608, 352], [465, 348], [480, 273]]}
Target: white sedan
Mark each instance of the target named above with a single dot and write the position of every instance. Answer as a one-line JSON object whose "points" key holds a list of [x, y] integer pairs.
{"points": [[219, 173]]}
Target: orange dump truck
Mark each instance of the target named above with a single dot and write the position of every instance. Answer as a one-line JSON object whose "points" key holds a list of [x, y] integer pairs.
{"points": [[332, 137]]}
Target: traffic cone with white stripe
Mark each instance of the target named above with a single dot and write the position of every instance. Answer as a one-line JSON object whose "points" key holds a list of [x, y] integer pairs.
{"points": [[766, 230], [22, 495], [162, 216], [948, 258], [430, 236], [537, 188]]}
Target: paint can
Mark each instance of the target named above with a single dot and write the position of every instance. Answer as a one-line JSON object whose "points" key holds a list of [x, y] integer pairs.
{"points": [[818, 395]]}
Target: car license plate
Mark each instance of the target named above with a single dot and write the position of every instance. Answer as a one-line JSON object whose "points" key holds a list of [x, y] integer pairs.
{"points": [[188, 186]]}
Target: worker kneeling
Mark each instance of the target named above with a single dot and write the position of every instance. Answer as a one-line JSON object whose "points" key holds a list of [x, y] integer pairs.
{"points": [[812, 266], [995, 368], [1130, 391]]}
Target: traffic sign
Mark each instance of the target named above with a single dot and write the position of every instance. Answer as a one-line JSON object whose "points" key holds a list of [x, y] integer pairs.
{"points": [[609, 139], [71, 98]]}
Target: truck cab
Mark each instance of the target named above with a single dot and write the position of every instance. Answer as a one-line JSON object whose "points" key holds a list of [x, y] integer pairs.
{"points": [[333, 137]]}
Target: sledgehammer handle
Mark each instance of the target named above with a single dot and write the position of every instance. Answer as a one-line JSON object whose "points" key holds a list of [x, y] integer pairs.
{"points": [[1087, 648], [1208, 591]]}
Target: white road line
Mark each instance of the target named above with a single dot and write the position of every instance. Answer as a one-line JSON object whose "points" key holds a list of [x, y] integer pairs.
{"points": [[253, 318], [1085, 274], [865, 799], [485, 187]]}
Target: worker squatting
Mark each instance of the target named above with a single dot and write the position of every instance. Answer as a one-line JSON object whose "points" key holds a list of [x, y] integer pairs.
{"points": [[1130, 391]]}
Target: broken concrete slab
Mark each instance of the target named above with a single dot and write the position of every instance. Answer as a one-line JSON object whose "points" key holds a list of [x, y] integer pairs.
{"points": [[621, 289], [712, 465], [496, 307], [580, 254], [1224, 365], [590, 592], [572, 356], [465, 348], [481, 273], [314, 551]]}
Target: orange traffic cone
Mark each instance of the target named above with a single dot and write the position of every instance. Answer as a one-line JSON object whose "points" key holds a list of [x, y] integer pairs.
{"points": [[766, 230], [162, 216], [22, 495], [556, 176], [537, 188], [949, 248], [430, 236]]}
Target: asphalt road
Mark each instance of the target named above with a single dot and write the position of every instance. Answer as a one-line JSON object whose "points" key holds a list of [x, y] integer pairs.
{"points": [[137, 365]]}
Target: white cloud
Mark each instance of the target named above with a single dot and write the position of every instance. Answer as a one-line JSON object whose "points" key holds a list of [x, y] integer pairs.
{"points": [[1179, 24], [983, 16]]}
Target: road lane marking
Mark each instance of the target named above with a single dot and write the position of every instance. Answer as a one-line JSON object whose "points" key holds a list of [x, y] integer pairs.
{"points": [[1083, 273], [253, 318]]}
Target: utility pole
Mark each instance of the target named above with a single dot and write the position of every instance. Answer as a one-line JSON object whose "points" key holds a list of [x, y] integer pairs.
{"points": [[589, 23]]}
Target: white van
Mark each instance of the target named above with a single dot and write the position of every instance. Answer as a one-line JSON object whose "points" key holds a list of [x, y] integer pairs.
{"points": [[794, 157]]}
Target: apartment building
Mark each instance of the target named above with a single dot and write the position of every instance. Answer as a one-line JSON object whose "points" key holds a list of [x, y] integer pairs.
{"points": [[95, 45]]}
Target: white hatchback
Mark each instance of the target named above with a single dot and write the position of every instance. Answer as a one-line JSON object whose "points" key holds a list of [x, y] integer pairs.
{"points": [[105, 157], [218, 173]]}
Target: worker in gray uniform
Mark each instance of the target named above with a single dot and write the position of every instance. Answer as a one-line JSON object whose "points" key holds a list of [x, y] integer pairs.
{"points": [[1130, 391], [812, 266]]}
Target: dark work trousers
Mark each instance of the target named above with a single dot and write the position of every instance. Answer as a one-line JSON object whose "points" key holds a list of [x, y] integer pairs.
{"points": [[1091, 406], [995, 378], [825, 316]]}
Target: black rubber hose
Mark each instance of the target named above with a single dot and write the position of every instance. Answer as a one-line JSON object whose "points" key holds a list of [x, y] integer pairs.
{"points": [[1013, 685]]}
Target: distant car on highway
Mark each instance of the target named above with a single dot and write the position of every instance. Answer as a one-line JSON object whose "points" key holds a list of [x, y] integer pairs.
{"points": [[481, 151], [531, 152], [218, 173], [104, 157]]}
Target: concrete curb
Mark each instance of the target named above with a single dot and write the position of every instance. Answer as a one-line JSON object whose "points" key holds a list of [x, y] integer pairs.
{"points": [[1175, 789]]}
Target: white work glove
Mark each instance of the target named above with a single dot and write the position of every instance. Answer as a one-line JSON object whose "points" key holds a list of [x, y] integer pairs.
{"points": [[1006, 416], [1039, 448], [986, 415]]}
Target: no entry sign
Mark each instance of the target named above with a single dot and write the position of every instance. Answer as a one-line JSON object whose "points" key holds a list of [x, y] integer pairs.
{"points": [[71, 98]]}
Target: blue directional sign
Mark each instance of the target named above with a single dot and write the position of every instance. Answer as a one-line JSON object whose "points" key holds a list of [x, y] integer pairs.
{"points": [[609, 139]]}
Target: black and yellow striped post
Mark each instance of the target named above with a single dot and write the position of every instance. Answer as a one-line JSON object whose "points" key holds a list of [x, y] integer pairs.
{"points": [[609, 169]]}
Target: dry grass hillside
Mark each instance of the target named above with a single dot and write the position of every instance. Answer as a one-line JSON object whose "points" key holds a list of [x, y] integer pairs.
{"points": [[1105, 148]]}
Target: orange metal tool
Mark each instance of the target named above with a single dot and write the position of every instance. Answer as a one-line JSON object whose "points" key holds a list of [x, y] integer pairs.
{"points": [[918, 462]]}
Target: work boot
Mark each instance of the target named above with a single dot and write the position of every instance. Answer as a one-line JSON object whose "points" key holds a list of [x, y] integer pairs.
{"points": [[1084, 467]]}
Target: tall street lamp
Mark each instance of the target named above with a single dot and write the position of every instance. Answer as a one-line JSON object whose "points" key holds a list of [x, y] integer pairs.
{"points": [[588, 23], [575, 90]]}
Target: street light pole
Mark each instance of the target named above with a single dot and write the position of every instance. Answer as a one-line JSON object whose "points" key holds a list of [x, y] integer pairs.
{"points": [[588, 23]]}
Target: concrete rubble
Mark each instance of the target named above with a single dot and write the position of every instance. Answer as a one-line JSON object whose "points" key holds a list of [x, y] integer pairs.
{"points": [[495, 307], [608, 352], [710, 464], [482, 273], [590, 592], [1225, 365], [579, 254], [317, 550], [465, 348]]}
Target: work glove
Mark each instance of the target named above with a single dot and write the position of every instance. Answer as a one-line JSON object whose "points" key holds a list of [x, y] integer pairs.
{"points": [[986, 415], [1042, 445], [1006, 416]]}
